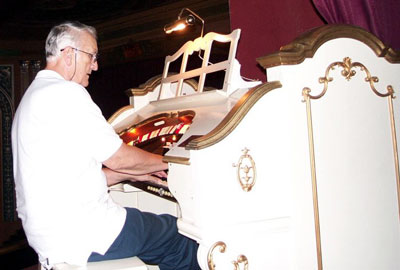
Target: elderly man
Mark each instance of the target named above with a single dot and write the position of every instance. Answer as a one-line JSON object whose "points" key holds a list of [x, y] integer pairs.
{"points": [[66, 154]]}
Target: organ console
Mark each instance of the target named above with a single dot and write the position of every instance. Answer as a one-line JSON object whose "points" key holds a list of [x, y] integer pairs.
{"points": [[156, 134], [279, 175]]}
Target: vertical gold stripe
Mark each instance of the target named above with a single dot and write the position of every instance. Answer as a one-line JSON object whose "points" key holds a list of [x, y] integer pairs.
{"points": [[395, 149], [313, 177]]}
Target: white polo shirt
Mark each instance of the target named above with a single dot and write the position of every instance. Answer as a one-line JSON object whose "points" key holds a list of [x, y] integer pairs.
{"points": [[59, 140]]}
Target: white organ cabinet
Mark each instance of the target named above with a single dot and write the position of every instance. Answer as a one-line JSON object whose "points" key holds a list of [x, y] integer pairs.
{"points": [[301, 172]]}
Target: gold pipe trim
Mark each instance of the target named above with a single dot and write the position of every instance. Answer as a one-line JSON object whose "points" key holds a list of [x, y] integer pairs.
{"points": [[317, 225], [395, 150], [233, 118], [307, 44]]}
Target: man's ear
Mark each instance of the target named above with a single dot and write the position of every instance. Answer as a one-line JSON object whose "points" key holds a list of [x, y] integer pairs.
{"points": [[68, 56]]}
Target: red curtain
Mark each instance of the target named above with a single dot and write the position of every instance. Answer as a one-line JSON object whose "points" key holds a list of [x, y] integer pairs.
{"points": [[380, 17], [266, 26]]}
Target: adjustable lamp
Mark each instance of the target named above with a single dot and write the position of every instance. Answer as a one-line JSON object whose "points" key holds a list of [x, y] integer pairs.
{"points": [[182, 22]]}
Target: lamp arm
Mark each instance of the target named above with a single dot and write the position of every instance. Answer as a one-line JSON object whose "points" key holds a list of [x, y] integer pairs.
{"points": [[194, 14]]}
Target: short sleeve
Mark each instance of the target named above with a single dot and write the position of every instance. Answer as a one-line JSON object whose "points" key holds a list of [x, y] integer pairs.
{"points": [[93, 131]]}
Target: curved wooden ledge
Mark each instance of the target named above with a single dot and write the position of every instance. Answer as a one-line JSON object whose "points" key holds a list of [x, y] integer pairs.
{"points": [[151, 84], [307, 44], [233, 118], [118, 113]]}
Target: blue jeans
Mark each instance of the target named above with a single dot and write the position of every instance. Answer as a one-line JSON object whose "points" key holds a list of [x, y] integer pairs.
{"points": [[155, 240]]}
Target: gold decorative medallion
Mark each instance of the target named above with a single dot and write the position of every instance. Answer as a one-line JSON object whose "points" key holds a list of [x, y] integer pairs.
{"points": [[246, 171]]}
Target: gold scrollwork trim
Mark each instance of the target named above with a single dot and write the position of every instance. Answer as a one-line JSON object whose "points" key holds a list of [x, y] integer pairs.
{"points": [[210, 258], [348, 71], [246, 171], [241, 259]]}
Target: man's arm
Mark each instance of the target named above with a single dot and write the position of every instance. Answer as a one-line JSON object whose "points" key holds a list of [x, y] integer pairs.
{"points": [[114, 177], [134, 161]]}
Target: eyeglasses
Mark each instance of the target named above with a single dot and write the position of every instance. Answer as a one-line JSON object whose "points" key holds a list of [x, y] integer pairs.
{"points": [[93, 56]]}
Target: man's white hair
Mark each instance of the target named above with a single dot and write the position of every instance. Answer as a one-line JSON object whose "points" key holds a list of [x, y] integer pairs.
{"points": [[64, 35]]}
